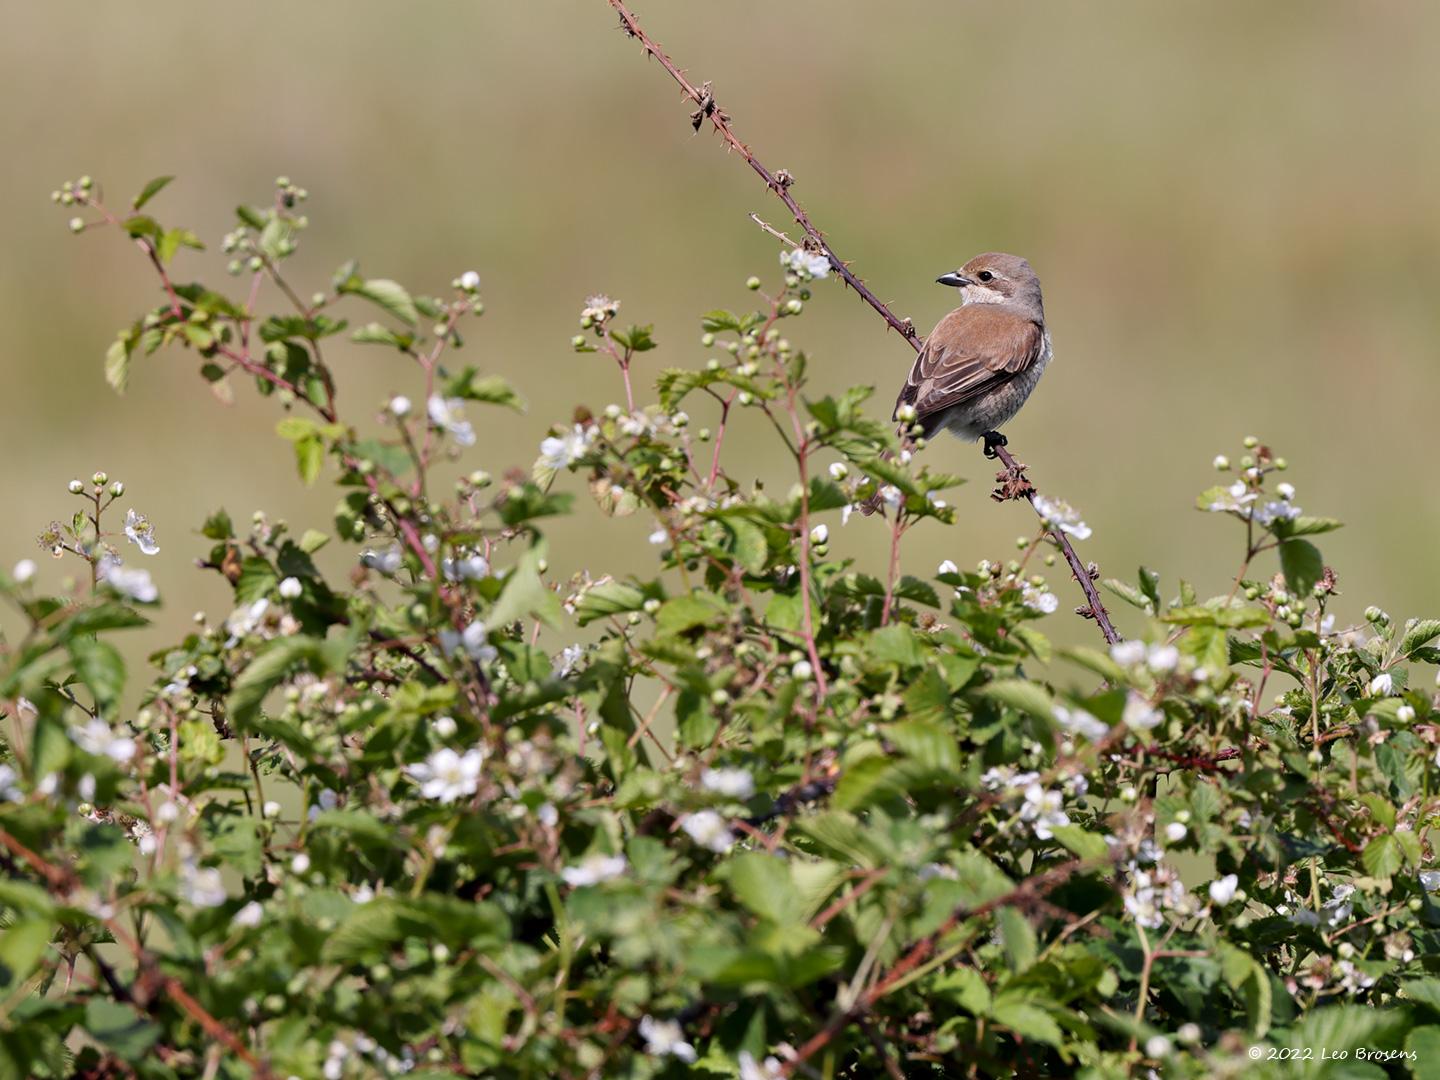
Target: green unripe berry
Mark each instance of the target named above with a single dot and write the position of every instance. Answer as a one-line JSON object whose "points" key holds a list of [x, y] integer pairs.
{"points": [[752, 283]]}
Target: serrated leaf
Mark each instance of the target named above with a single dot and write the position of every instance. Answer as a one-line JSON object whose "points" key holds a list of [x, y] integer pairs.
{"points": [[1382, 856], [390, 295], [1421, 633], [117, 362]]}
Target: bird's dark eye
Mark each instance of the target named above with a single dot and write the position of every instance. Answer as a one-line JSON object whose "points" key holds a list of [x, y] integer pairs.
{"points": [[984, 275]]}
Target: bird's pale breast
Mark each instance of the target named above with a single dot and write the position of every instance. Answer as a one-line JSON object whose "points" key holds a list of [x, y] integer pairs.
{"points": [[987, 412]]}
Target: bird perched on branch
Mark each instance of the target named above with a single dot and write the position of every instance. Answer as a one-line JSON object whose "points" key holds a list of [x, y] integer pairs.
{"points": [[982, 360]]}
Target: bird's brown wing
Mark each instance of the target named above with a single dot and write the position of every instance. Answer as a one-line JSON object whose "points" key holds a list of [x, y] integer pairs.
{"points": [[972, 350]]}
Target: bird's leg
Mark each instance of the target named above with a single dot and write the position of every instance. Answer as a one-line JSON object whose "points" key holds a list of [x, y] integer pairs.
{"points": [[992, 440]]}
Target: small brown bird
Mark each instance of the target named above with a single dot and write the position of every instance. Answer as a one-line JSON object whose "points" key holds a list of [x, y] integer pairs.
{"points": [[982, 360]]}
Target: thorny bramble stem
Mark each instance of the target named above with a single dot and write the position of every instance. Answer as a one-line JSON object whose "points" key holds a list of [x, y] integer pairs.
{"points": [[780, 183]]}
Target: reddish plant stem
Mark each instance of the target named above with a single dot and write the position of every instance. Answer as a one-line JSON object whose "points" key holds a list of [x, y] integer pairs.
{"points": [[779, 183]]}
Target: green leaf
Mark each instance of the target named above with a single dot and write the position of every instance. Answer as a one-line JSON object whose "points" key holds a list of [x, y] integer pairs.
{"points": [[687, 612], [1302, 564], [964, 986], [150, 190], [312, 540], [1085, 845], [22, 944], [525, 595], [1027, 697], [1027, 1020], [1382, 856], [268, 670], [762, 883], [375, 334], [611, 598], [390, 295], [100, 667], [1018, 937], [120, 1027], [1422, 632], [117, 362]]}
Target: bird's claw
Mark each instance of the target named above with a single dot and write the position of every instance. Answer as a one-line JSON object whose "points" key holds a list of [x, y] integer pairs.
{"points": [[994, 440]]}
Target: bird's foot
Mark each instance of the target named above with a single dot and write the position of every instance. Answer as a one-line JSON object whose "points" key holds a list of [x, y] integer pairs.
{"points": [[993, 440]]}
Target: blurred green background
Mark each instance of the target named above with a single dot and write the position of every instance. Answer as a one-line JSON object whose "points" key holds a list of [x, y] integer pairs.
{"points": [[1233, 208]]}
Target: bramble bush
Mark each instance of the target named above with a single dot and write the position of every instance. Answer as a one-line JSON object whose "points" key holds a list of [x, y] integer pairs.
{"points": [[773, 813]]}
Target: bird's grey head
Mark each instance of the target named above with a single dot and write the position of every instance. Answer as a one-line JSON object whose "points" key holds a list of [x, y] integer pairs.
{"points": [[996, 278]]}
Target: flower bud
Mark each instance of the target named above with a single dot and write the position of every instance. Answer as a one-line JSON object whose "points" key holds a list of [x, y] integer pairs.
{"points": [[794, 307], [77, 225], [752, 283], [117, 489], [1251, 442], [802, 670], [1221, 463], [76, 487], [707, 339]]}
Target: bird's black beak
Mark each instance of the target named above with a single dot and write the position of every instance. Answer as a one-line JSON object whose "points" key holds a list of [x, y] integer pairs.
{"points": [[955, 279]]}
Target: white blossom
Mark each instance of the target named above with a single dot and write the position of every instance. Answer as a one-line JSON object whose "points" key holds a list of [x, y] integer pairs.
{"points": [[593, 869], [1128, 653], [95, 736], [1405, 714], [1061, 515], [808, 263], [387, 561], [248, 916], [708, 829], [246, 620], [658, 537], [462, 567], [1043, 810], [201, 885], [473, 640], [1270, 512], [1162, 658], [445, 726], [135, 584], [568, 658], [446, 775], [750, 1069], [1079, 722], [1222, 889], [1176, 831], [1138, 715], [1158, 1046], [947, 567], [732, 783], [141, 532], [24, 571], [1236, 499], [470, 281], [664, 1037], [838, 470], [9, 788], [1285, 491], [400, 405], [300, 864], [561, 451], [1043, 601], [819, 534], [447, 414], [1382, 685], [291, 588]]}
